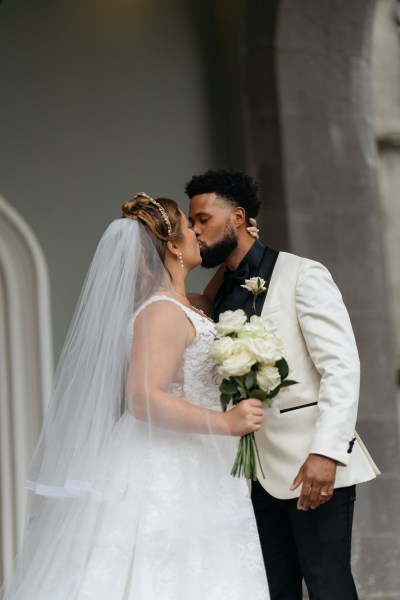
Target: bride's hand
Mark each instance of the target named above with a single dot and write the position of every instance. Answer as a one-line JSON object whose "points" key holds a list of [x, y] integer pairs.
{"points": [[245, 417], [253, 230]]}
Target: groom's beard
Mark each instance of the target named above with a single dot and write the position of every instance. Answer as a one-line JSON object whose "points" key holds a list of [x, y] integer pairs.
{"points": [[214, 255]]}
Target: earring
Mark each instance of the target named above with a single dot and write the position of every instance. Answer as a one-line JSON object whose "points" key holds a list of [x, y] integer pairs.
{"points": [[181, 260]]}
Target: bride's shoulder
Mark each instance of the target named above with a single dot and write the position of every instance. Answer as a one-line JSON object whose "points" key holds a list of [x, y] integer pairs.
{"points": [[162, 320], [159, 302], [160, 306]]}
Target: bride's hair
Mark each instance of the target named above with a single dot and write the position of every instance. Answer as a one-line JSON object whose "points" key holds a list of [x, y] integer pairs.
{"points": [[162, 220], [158, 216]]}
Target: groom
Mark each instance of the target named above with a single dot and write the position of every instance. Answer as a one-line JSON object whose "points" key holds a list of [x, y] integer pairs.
{"points": [[311, 456]]}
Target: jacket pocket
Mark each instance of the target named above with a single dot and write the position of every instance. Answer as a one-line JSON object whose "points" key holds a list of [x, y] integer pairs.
{"points": [[284, 410]]}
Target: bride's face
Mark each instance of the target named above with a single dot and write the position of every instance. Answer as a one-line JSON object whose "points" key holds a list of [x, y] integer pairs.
{"points": [[189, 246]]}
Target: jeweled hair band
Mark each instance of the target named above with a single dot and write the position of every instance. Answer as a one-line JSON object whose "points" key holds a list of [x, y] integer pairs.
{"points": [[160, 208]]}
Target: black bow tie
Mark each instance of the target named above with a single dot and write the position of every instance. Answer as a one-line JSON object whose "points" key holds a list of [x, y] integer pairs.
{"points": [[232, 279]]}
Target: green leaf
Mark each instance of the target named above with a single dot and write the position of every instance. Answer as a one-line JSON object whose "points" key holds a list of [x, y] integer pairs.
{"points": [[243, 393], [288, 382], [225, 399], [228, 387], [250, 380], [274, 392], [260, 394], [283, 368], [236, 398]]}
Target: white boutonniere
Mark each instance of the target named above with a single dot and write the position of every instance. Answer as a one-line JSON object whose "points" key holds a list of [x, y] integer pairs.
{"points": [[256, 286]]}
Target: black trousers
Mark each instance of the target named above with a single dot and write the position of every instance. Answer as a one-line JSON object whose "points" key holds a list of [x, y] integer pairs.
{"points": [[314, 545]]}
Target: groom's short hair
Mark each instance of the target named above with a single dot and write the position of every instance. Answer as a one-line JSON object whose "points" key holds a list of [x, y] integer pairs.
{"points": [[234, 187]]}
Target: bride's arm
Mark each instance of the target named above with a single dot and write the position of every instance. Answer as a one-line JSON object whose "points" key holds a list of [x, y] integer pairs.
{"points": [[161, 335]]}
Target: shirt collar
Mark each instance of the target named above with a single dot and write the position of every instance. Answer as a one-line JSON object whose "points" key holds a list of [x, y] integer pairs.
{"points": [[251, 260]]}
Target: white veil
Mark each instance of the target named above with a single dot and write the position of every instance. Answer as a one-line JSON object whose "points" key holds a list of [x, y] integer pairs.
{"points": [[73, 458], [89, 389]]}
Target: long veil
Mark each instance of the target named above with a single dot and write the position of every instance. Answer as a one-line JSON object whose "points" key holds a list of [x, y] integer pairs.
{"points": [[89, 388], [120, 509], [73, 457]]}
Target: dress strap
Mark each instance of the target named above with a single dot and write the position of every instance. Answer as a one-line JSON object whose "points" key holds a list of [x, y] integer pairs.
{"points": [[192, 315], [159, 297]]}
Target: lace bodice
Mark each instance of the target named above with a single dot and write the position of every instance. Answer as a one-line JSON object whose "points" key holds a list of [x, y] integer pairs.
{"points": [[200, 376]]}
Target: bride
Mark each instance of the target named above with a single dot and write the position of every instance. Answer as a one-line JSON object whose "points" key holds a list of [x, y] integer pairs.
{"points": [[131, 496]]}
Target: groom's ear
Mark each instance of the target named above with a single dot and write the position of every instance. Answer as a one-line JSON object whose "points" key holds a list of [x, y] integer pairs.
{"points": [[238, 216]]}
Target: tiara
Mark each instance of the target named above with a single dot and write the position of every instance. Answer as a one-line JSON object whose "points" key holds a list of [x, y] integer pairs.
{"points": [[160, 208]]}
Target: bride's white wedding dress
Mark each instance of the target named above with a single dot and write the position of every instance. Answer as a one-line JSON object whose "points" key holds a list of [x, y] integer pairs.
{"points": [[165, 520]]}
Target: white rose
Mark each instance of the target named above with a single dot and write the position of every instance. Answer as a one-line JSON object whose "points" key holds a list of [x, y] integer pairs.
{"points": [[264, 350], [221, 349], [267, 323], [230, 321], [257, 327], [278, 345], [253, 329], [268, 377], [238, 364], [254, 285]]}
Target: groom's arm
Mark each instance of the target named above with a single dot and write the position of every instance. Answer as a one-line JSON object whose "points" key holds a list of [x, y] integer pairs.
{"points": [[329, 337], [212, 287], [205, 300], [200, 302]]}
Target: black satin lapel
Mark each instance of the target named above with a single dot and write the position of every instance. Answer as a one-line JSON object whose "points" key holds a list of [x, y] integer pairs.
{"points": [[232, 296], [266, 268]]}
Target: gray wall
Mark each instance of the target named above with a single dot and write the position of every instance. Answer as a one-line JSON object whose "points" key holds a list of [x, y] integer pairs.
{"points": [[386, 102], [100, 100]]}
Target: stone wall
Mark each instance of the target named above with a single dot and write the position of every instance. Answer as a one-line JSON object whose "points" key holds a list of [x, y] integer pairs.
{"points": [[311, 144]]}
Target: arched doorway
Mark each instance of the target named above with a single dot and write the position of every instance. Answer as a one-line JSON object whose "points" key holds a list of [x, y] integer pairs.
{"points": [[26, 367]]}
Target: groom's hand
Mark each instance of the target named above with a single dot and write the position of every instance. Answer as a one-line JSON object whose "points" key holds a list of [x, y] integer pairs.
{"points": [[317, 475]]}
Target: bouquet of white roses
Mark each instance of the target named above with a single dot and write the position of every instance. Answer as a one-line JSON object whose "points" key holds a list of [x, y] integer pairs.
{"points": [[250, 358]]}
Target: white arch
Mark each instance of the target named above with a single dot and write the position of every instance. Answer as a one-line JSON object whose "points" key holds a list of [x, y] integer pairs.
{"points": [[26, 367]]}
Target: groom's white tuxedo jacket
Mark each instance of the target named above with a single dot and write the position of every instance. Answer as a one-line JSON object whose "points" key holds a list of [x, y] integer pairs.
{"points": [[318, 414]]}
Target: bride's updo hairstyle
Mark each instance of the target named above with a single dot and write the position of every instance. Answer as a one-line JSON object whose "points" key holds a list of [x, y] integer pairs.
{"points": [[160, 216]]}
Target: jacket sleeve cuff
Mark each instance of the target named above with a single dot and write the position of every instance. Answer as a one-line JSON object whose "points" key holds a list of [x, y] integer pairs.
{"points": [[341, 454]]}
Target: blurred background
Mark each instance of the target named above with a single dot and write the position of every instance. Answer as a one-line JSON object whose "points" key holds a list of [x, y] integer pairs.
{"points": [[101, 99]]}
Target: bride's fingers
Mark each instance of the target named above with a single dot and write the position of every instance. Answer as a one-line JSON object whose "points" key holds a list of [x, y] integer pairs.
{"points": [[246, 417], [256, 415], [253, 230], [255, 402]]}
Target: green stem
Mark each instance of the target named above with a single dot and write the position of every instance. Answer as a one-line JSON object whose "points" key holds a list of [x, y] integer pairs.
{"points": [[258, 458]]}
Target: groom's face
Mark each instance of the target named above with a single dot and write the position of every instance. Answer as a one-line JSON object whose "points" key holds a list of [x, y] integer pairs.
{"points": [[211, 220]]}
